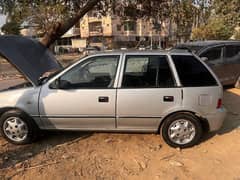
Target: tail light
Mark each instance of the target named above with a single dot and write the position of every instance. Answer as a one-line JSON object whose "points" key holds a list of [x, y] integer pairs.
{"points": [[219, 103]]}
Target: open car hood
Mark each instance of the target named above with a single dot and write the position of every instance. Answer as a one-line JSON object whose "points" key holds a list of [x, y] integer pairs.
{"points": [[29, 56]]}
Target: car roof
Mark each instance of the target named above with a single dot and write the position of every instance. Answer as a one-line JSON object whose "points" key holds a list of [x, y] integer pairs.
{"points": [[199, 45], [146, 52], [212, 42]]}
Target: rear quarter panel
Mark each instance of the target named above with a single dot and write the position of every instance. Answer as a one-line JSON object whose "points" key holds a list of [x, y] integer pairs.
{"points": [[202, 100]]}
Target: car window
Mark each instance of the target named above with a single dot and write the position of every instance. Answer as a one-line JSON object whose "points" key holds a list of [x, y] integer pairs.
{"points": [[192, 72], [213, 54], [96, 72], [147, 72], [232, 53]]}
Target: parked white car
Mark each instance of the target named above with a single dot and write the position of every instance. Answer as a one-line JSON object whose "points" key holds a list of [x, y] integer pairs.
{"points": [[169, 92]]}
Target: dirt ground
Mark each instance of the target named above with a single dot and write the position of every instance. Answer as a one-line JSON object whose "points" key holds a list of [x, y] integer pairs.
{"points": [[75, 155]]}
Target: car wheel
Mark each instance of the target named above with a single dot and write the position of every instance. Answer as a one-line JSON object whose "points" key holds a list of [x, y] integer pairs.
{"points": [[18, 128], [237, 85], [181, 130]]}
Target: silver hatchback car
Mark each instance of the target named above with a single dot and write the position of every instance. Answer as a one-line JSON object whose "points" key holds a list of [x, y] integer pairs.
{"points": [[170, 92]]}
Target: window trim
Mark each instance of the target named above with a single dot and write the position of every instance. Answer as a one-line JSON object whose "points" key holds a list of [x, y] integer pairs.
{"points": [[124, 64], [81, 61]]}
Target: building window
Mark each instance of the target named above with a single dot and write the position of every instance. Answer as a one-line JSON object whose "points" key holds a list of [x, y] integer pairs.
{"points": [[119, 27], [95, 27], [96, 39], [129, 26]]}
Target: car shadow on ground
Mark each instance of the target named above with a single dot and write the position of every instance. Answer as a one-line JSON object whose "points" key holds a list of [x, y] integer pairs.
{"points": [[231, 102], [11, 155]]}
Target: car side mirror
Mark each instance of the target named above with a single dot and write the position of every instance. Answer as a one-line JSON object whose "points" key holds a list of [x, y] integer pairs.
{"points": [[54, 84], [41, 80], [204, 59], [60, 84], [63, 84]]}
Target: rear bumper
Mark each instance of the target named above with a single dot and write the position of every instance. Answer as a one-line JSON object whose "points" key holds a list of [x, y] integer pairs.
{"points": [[215, 120]]}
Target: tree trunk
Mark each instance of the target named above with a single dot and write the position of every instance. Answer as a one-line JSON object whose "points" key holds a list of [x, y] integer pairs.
{"points": [[60, 29]]}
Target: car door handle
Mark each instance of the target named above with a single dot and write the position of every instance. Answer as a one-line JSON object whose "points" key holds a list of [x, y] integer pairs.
{"points": [[168, 98], [103, 99]]}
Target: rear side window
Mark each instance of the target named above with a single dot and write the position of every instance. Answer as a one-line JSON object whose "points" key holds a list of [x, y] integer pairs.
{"points": [[213, 54], [232, 52], [147, 72], [192, 72]]}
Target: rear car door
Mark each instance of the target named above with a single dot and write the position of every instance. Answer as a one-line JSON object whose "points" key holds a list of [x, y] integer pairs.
{"points": [[146, 92]]}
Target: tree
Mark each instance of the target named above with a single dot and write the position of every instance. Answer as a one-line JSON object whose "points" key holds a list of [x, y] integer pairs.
{"points": [[11, 28], [202, 12], [223, 19], [183, 16], [215, 29], [228, 10], [53, 18], [237, 34]]}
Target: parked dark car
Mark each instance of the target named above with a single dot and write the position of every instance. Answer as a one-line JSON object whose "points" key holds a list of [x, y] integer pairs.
{"points": [[222, 56]]}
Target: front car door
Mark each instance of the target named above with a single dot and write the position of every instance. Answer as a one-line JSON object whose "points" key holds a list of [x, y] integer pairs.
{"points": [[146, 92], [85, 98]]}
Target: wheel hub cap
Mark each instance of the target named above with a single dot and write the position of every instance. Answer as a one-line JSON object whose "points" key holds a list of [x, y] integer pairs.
{"points": [[181, 131], [15, 129]]}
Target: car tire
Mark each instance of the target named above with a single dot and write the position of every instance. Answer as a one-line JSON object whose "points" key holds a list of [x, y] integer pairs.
{"points": [[18, 128], [237, 85], [181, 130]]}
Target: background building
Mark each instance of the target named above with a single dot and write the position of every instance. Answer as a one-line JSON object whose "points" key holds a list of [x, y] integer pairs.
{"points": [[112, 32], [109, 32]]}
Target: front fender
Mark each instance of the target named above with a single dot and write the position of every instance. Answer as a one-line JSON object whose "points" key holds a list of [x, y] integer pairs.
{"points": [[25, 99]]}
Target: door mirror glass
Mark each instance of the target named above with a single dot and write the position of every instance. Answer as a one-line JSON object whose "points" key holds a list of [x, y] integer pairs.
{"points": [[60, 84]]}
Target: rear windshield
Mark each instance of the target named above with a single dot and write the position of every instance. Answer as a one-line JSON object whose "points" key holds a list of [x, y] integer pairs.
{"points": [[192, 72]]}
